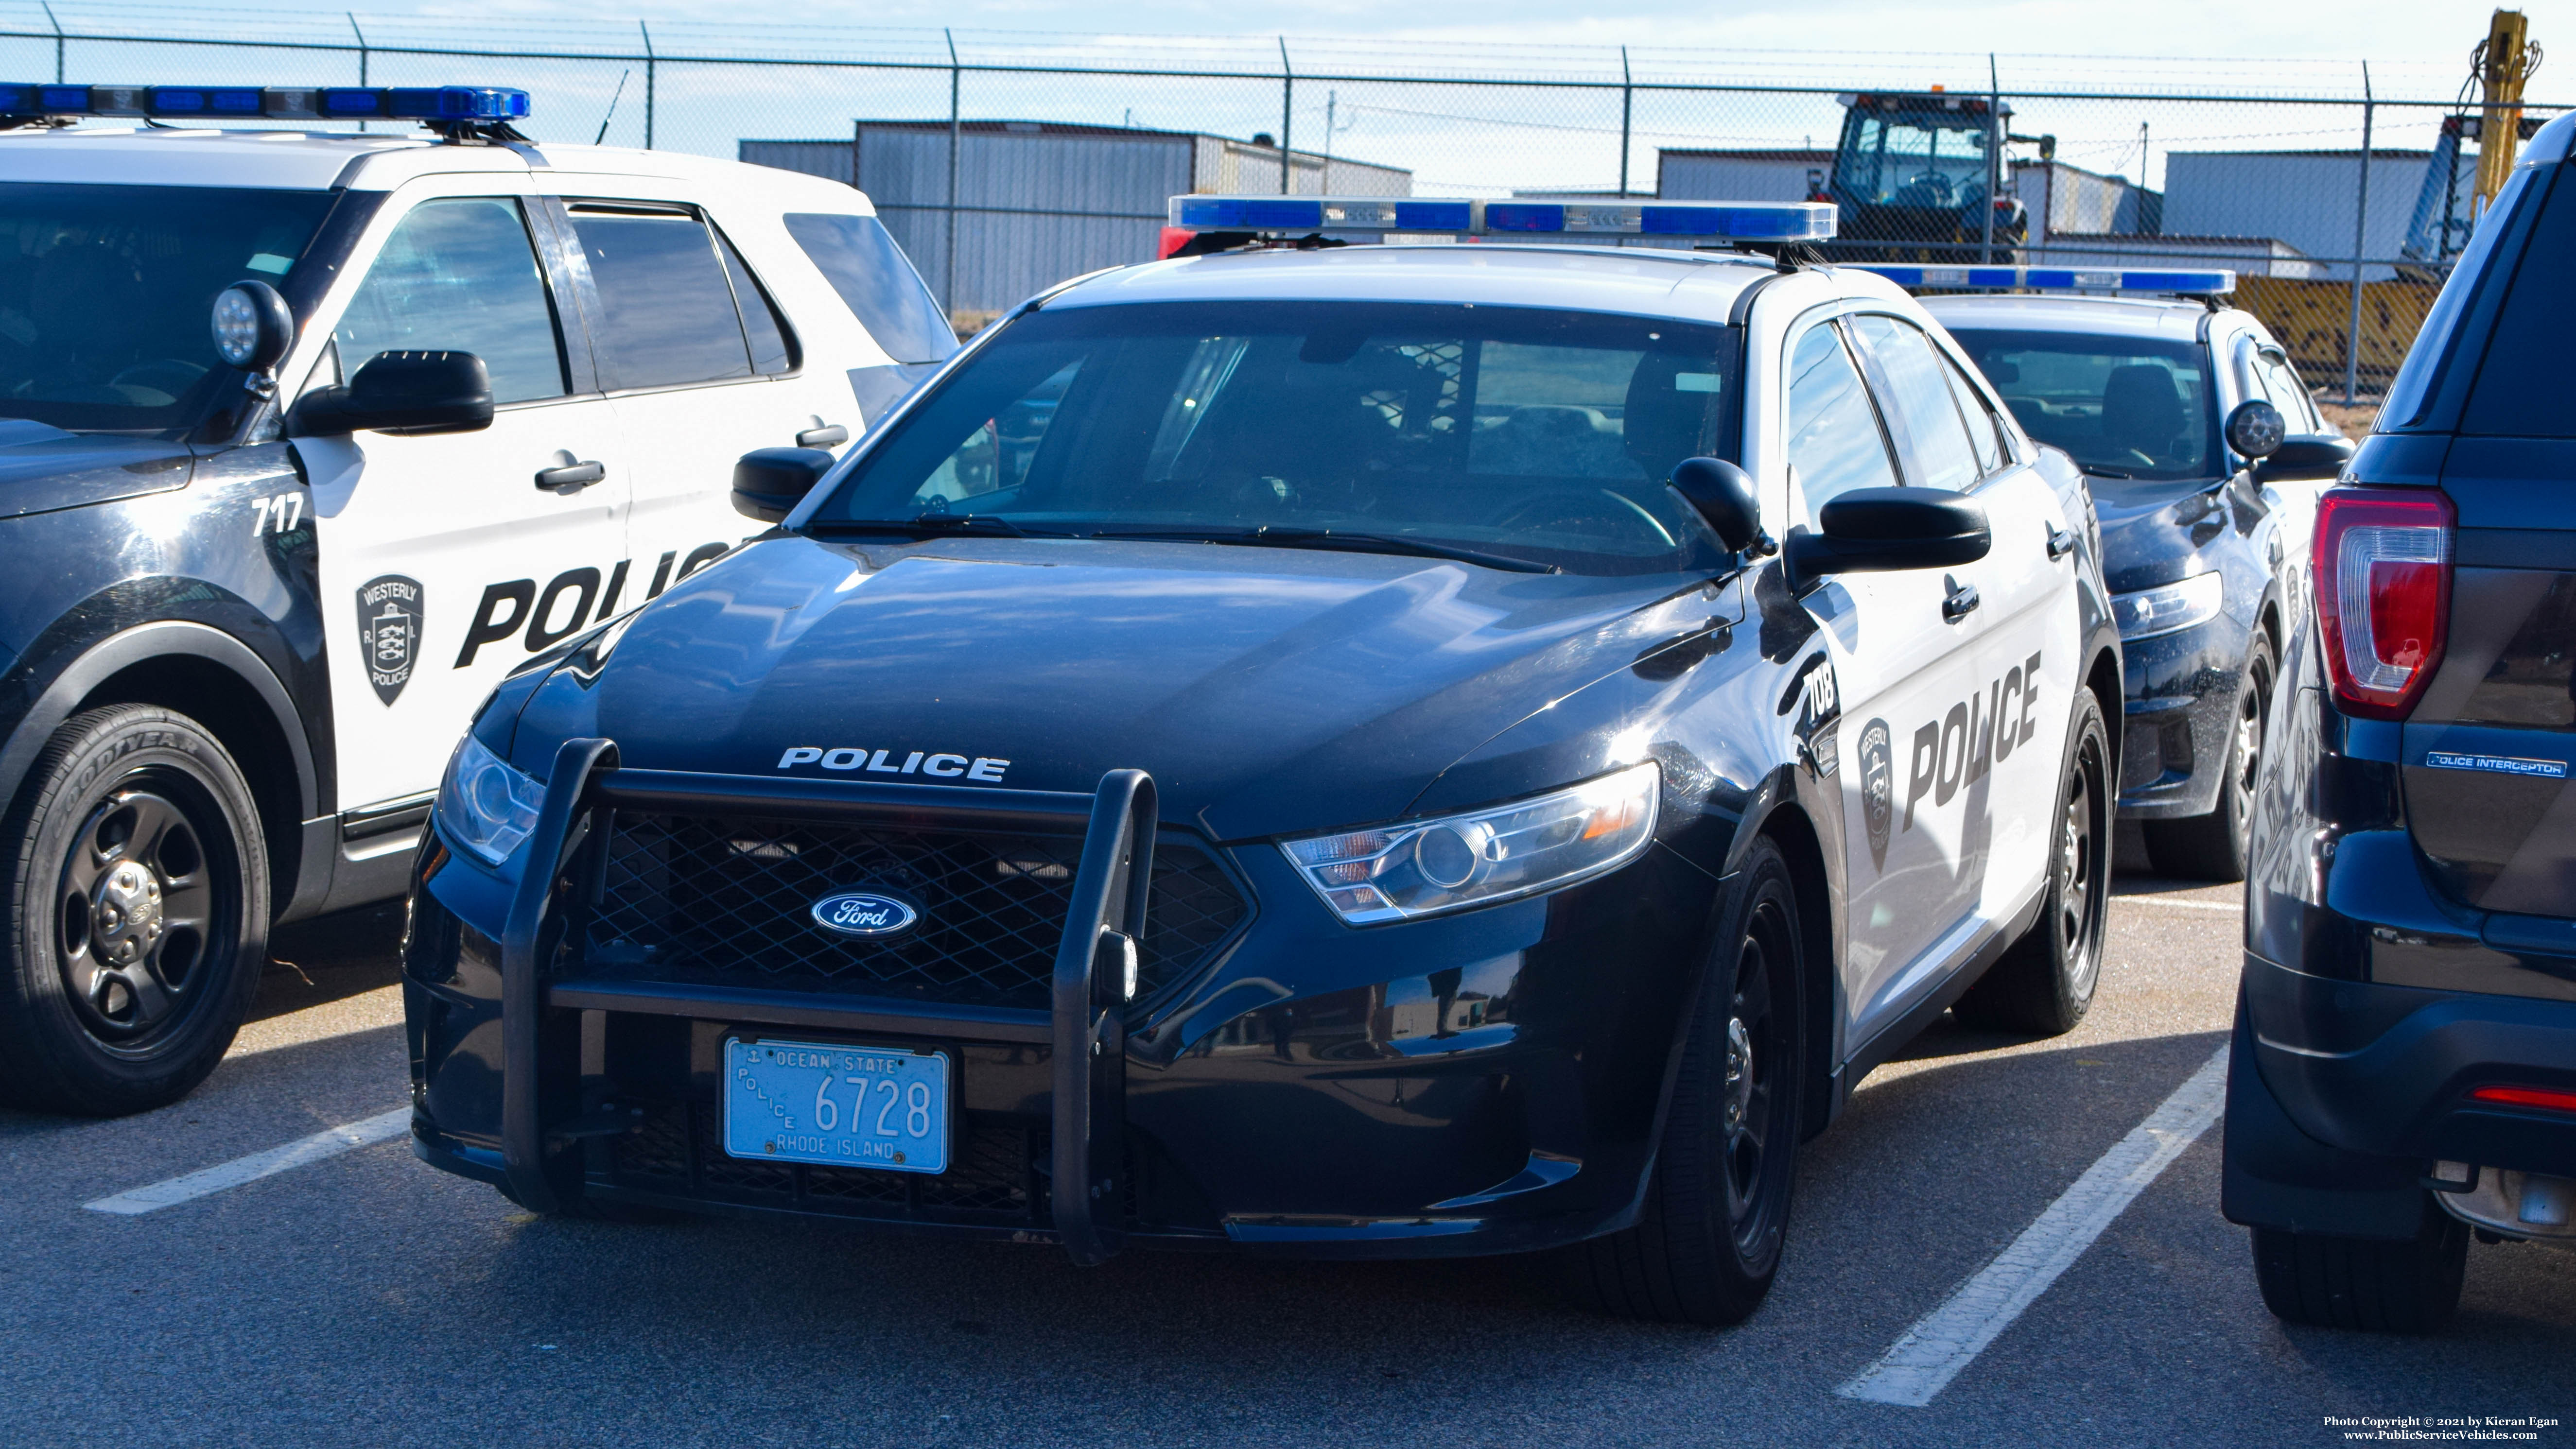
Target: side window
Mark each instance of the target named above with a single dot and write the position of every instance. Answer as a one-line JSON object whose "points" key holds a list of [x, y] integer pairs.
{"points": [[666, 303], [460, 276], [1834, 439], [1985, 430], [771, 351], [2294, 400], [877, 282], [2521, 386], [1938, 452]]}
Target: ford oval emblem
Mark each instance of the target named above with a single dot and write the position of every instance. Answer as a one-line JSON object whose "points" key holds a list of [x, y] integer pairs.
{"points": [[865, 913]]}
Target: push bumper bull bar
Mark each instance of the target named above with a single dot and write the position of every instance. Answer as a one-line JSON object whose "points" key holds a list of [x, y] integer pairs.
{"points": [[1084, 1029]]}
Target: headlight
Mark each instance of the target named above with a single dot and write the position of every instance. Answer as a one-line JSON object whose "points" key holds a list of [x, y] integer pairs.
{"points": [[2150, 612], [485, 805], [1423, 867]]}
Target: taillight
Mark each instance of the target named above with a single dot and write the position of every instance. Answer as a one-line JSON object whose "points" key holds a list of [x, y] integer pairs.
{"points": [[2545, 1098], [2383, 573]]}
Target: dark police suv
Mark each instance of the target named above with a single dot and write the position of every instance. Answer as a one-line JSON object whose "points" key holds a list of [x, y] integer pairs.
{"points": [[1385, 751], [2404, 1066]]}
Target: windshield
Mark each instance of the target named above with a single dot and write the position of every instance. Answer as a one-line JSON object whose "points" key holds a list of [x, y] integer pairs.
{"points": [[1914, 162], [2125, 407], [106, 293], [1541, 436]]}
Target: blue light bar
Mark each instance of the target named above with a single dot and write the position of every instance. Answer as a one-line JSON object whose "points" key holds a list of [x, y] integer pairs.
{"points": [[328, 103], [2056, 279], [1798, 221]]}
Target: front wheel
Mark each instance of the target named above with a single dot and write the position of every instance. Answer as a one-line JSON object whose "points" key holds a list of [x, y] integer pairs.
{"points": [[2044, 983], [2215, 846], [136, 891], [1718, 1208]]}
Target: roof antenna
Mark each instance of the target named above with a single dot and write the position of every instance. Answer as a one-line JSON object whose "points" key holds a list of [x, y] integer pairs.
{"points": [[612, 107]]}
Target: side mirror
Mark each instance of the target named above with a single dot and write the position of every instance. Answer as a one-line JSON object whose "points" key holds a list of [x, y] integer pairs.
{"points": [[1877, 530], [409, 392], [769, 482], [2255, 428], [253, 327], [1724, 496], [2307, 458]]}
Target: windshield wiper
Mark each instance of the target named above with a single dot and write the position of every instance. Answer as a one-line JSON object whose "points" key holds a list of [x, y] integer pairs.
{"points": [[991, 525], [1337, 539], [2097, 471]]}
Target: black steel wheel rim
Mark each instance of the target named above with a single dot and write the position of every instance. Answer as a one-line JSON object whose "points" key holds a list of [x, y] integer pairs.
{"points": [[2248, 751], [1753, 1140], [143, 909], [2083, 867]]}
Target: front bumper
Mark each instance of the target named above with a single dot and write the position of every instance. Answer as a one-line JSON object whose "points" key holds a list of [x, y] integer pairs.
{"points": [[2180, 709], [1477, 1083]]}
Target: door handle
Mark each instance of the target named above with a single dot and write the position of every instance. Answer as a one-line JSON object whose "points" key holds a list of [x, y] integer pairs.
{"points": [[1960, 603], [571, 475], [2061, 542], [828, 435]]}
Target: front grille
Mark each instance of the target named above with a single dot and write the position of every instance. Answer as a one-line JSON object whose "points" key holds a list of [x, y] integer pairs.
{"points": [[726, 901], [680, 1152]]}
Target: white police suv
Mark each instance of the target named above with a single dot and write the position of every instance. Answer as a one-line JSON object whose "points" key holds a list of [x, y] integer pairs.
{"points": [[1343, 750], [462, 396]]}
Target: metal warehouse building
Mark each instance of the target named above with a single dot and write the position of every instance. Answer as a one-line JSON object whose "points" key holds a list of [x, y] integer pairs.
{"points": [[2305, 198], [1036, 202]]}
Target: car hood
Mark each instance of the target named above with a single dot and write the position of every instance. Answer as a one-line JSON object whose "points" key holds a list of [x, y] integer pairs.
{"points": [[43, 468], [2156, 533], [1266, 690]]}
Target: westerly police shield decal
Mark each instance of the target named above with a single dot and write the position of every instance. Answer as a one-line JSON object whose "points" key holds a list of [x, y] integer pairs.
{"points": [[1877, 787], [866, 913], [389, 620]]}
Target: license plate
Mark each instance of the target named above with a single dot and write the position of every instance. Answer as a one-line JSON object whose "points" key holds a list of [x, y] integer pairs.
{"points": [[841, 1106]]}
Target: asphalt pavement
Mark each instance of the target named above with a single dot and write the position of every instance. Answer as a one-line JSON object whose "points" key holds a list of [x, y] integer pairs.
{"points": [[362, 1298]]}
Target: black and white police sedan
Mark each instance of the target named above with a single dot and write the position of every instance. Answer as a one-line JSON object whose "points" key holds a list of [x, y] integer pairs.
{"points": [[2205, 453], [463, 396], [1377, 750]]}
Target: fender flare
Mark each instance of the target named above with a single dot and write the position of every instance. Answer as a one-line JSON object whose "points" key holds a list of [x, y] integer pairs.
{"points": [[144, 642], [1777, 791]]}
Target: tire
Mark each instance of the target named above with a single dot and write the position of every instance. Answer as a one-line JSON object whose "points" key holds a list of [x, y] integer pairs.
{"points": [[2045, 981], [2376, 1286], [137, 908], [2215, 846], [1717, 1209]]}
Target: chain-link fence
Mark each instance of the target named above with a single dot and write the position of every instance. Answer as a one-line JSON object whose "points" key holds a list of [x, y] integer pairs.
{"points": [[1006, 162]]}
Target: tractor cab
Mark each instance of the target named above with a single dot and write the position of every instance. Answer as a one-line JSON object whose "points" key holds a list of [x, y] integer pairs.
{"points": [[1915, 175]]}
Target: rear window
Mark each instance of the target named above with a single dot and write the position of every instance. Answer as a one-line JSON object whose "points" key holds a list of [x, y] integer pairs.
{"points": [[877, 282], [2521, 389]]}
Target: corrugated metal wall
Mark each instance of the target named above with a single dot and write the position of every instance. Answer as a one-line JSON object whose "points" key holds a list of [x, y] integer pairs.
{"points": [[1739, 175], [2305, 198], [1040, 203]]}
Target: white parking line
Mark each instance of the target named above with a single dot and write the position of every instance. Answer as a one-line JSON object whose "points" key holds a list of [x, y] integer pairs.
{"points": [[2230, 907], [215, 1179], [1949, 1338]]}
